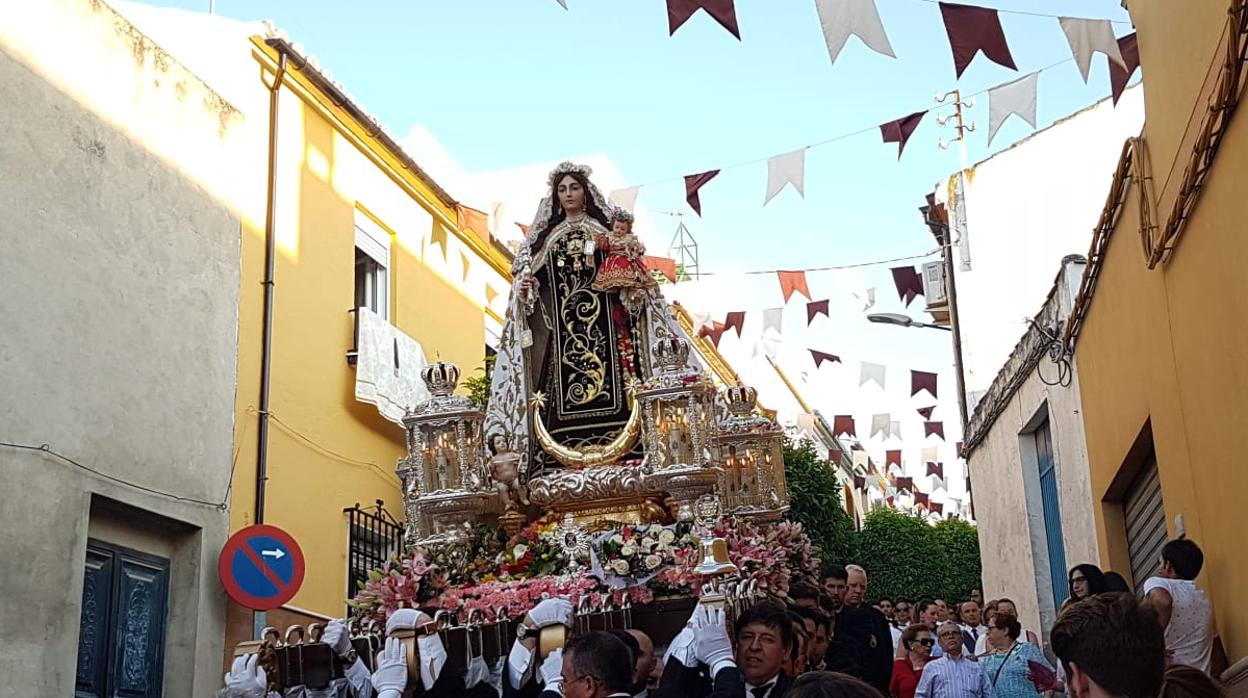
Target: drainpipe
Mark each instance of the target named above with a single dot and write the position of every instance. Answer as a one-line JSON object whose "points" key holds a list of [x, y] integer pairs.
{"points": [[270, 254]]}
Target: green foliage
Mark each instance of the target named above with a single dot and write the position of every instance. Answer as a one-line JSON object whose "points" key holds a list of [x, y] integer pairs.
{"points": [[478, 387], [907, 557], [815, 501], [959, 545]]}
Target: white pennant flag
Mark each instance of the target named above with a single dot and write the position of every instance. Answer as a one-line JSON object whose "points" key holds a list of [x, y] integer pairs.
{"points": [[930, 455], [782, 170], [867, 297], [871, 372], [1088, 35], [563, 3], [880, 423], [861, 459], [840, 18], [766, 346], [702, 320], [625, 198], [1016, 97], [894, 429], [772, 318]]}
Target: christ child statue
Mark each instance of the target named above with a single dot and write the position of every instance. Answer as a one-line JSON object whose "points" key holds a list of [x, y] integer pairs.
{"points": [[623, 268]]}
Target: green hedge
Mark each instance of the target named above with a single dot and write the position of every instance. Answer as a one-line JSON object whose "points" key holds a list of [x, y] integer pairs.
{"points": [[815, 501]]}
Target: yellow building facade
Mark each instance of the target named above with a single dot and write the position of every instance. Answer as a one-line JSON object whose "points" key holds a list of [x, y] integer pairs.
{"points": [[1160, 331], [336, 175]]}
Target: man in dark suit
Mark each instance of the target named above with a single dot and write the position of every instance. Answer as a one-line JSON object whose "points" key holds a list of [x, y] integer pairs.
{"points": [[595, 665], [866, 630]]}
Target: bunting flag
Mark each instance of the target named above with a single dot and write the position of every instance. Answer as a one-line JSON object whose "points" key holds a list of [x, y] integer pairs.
{"points": [[905, 484], [791, 281], [735, 320], [937, 428], [867, 298], [625, 198], [723, 11], [937, 469], [468, 218], [664, 265], [894, 429], [786, 169], [694, 182], [1129, 50], [879, 424], [714, 332], [937, 507], [861, 459], [892, 457], [971, 30], [701, 320], [889, 499], [814, 308], [931, 454], [820, 357], [766, 346], [860, 482], [872, 372], [926, 412], [843, 424], [921, 498], [524, 229], [908, 282], [772, 319], [842, 18], [1015, 97], [1086, 36], [961, 454], [922, 380], [899, 131], [563, 3]]}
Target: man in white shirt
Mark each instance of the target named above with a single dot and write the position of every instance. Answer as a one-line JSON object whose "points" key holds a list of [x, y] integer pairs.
{"points": [[1181, 606], [971, 625]]}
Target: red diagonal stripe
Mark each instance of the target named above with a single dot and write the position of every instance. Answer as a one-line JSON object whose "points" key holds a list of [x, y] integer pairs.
{"points": [[264, 569]]}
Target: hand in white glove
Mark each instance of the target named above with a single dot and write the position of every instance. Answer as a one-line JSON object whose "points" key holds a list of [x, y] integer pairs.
{"points": [[557, 611], [246, 678], [712, 646], [406, 619], [391, 673], [432, 659], [337, 637], [552, 671]]}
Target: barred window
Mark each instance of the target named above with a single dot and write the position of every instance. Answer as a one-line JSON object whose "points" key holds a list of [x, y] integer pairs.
{"points": [[373, 536]]}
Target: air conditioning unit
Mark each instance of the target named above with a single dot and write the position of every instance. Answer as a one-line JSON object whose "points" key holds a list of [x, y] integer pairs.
{"points": [[934, 290]]}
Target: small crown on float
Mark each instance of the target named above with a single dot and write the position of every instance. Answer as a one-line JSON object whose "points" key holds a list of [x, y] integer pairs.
{"points": [[741, 399], [441, 378], [622, 215], [671, 353], [567, 167]]}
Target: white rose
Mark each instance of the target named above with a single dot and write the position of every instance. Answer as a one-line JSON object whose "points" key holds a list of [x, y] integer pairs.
{"points": [[617, 539], [620, 566], [648, 543], [519, 551], [666, 536], [653, 561], [628, 550]]}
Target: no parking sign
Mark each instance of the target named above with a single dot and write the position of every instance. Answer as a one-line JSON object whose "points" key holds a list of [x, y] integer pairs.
{"points": [[261, 567]]}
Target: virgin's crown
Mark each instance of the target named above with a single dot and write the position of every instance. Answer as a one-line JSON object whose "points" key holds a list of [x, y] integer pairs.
{"points": [[672, 353], [441, 378], [741, 400], [567, 167]]}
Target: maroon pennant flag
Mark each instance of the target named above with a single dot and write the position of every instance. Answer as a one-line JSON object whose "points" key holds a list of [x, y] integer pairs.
{"points": [[814, 308], [922, 380], [679, 12], [926, 412], [937, 469], [693, 183], [714, 332], [908, 282], [859, 482], [937, 508], [920, 498], [937, 428], [735, 320], [899, 131], [972, 29], [1130, 50], [791, 281], [820, 357], [843, 424], [834, 456], [962, 454], [890, 500], [905, 484], [892, 457]]}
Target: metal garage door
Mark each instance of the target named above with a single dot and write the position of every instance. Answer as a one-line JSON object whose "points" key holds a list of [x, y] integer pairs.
{"points": [[1145, 518]]}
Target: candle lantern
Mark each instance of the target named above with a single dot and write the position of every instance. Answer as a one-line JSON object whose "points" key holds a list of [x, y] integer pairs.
{"points": [[750, 449], [443, 477], [677, 406]]}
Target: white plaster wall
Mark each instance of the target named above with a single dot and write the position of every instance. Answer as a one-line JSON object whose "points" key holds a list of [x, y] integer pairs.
{"points": [[119, 278], [1026, 208]]}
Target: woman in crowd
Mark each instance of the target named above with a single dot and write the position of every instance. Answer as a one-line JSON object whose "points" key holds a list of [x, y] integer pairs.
{"points": [[1084, 581], [918, 642], [1116, 582], [990, 612], [1008, 663], [1007, 607]]}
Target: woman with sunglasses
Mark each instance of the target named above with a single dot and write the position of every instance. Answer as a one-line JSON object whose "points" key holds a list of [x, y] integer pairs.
{"points": [[1084, 581], [918, 642], [1008, 664]]}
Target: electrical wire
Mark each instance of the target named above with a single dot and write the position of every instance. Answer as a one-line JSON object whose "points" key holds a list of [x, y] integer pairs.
{"points": [[1041, 14], [855, 265], [46, 448]]}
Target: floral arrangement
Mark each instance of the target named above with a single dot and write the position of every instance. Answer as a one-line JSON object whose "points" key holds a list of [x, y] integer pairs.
{"points": [[634, 562]]}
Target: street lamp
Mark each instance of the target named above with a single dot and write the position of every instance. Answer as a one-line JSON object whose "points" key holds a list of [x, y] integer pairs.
{"points": [[903, 321]]}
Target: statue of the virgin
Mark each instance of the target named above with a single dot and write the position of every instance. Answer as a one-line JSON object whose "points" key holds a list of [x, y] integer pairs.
{"points": [[571, 349]]}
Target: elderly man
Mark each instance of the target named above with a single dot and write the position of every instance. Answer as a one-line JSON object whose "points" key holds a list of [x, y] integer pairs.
{"points": [[953, 675], [867, 630]]}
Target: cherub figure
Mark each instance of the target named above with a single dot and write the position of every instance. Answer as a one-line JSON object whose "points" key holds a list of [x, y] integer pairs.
{"points": [[623, 268], [505, 470]]}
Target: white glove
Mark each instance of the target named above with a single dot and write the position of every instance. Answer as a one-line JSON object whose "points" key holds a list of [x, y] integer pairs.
{"points": [[557, 611], [552, 671], [432, 659], [246, 678], [337, 637], [390, 678], [713, 648], [406, 619]]}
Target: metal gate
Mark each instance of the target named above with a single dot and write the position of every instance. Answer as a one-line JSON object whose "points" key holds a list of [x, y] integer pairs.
{"points": [[1144, 514], [372, 538], [1049, 498]]}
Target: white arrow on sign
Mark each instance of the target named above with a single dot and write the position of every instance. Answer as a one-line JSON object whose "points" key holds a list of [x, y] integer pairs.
{"points": [[275, 554]]}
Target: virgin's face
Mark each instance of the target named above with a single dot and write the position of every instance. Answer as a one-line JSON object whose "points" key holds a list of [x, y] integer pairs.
{"points": [[571, 194]]}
